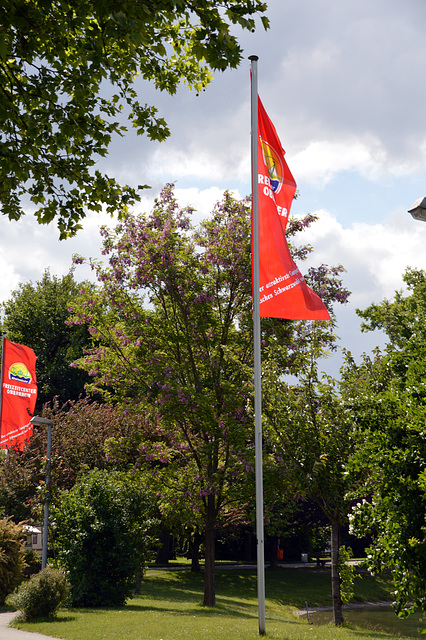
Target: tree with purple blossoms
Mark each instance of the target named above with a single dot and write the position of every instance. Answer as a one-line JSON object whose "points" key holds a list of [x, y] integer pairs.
{"points": [[172, 318]]}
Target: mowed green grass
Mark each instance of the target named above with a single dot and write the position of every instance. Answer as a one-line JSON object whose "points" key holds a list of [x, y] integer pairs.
{"points": [[170, 608]]}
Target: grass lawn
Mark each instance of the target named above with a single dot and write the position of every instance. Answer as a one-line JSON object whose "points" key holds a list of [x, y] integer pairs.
{"points": [[169, 608]]}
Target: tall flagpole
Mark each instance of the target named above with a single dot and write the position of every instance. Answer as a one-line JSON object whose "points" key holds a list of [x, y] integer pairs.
{"points": [[1, 375], [257, 358]]}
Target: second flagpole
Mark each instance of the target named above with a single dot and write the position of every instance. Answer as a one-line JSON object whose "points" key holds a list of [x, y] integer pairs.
{"points": [[3, 338], [256, 348]]}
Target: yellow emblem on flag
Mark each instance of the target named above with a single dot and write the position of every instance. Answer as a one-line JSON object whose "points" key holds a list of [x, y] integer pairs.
{"points": [[274, 166]]}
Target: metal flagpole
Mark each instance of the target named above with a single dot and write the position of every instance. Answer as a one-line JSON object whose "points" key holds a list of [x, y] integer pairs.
{"points": [[1, 375], [46, 504], [37, 421], [257, 357]]}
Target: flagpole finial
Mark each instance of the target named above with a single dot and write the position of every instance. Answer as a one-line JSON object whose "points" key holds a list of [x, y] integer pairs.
{"points": [[253, 57]]}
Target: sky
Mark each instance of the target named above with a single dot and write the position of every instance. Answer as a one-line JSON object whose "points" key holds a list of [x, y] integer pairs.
{"points": [[344, 84]]}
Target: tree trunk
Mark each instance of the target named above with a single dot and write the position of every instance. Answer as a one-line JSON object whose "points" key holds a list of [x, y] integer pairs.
{"points": [[248, 546], [163, 551], [209, 577], [195, 551], [273, 547], [335, 578]]}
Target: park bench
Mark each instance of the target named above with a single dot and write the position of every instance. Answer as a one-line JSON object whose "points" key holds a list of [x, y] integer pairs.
{"points": [[321, 559]]}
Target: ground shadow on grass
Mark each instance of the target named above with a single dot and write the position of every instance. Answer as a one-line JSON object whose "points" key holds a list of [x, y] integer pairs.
{"points": [[185, 586], [231, 608], [295, 587], [284, 586], [161, 584], [64, 618], [236, 591]]}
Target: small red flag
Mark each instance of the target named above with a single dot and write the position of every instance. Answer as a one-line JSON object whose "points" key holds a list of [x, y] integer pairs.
{"points": [[18, 394], [283, 291]]}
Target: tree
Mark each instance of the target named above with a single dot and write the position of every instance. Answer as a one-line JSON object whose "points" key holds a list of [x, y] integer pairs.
{"points": [[80, 431], [173, 320], [311, 436], [67, 70], [36, 315], [388, 398], [101, 534], [402, 320]]}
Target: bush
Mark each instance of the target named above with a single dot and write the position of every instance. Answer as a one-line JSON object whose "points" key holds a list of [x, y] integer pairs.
{"points": [[100, 535], [42, 595], [12, 556], [33, 562]]}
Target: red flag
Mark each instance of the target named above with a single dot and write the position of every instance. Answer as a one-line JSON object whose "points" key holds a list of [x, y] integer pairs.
{"points": [[283, 290], [18, 394]]}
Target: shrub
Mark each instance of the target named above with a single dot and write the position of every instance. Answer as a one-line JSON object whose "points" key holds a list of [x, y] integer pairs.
{"points": [[100, 535], [42, 595], [12, 556], [33, 562]]}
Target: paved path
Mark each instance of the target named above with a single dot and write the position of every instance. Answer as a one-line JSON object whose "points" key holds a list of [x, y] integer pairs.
{"points": [[8, 633]]}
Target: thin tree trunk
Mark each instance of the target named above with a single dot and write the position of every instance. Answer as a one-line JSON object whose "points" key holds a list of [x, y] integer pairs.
{"points": [[195, 552], [248, 546], [209, 577], [163, 552], [335, 578], [273, 546]]}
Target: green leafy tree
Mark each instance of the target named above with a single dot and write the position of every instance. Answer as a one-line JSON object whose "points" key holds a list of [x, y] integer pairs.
{"points": [[388, 397], [311, 436], [102, 532], [173, 320], [68, 69], [36, 315], [391, 425]]}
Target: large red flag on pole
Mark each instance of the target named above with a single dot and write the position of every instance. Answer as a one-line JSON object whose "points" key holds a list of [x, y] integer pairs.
{"points": [[279, 289], [18, 394], [283, 291]]}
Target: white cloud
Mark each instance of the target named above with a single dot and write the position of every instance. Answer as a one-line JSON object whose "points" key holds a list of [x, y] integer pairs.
{"points": [[169, 161], [10, 278], [28, 249], [348, 71], [203, 200], [375, 256], [322, 160]]}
